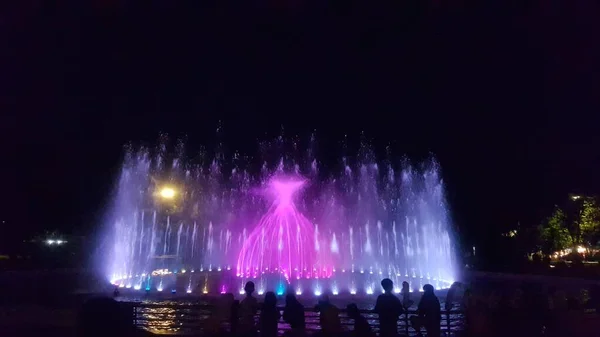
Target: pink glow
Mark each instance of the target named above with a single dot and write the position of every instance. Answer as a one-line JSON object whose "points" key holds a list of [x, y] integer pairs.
{"points": [[284, 239], [284, 190]]}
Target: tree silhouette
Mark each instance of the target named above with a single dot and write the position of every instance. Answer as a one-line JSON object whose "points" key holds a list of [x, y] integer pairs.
{"points": [[554, 233]]}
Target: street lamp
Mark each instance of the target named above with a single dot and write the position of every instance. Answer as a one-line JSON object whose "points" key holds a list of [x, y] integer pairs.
{"points": [[167, 193]]}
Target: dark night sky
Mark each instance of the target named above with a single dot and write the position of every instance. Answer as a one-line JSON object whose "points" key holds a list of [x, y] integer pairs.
{"points": [[505, 95]]}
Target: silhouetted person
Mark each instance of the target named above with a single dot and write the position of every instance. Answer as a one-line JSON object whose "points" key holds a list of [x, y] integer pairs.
{"points": [[453, 295], [405, 292], [293, 314], [388, 307], [222, 313], [116, 292], [429, 313], [104, 317], [329, 317], [269, 316], [234, 318], [247, 311], [361, 326]]}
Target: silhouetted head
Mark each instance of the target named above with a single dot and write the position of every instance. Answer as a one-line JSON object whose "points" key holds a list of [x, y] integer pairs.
{"points": [[405, 285], [387, 285], [290, 298], [270, 299], [428, 289], [352, 310], [324, 299], [249, 288]]}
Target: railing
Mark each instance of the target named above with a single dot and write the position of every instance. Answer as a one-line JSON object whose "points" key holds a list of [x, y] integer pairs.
{"points": [[196, 319]]}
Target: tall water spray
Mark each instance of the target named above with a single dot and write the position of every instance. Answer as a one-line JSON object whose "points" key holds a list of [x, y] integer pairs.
{"points": [[282, 227]]}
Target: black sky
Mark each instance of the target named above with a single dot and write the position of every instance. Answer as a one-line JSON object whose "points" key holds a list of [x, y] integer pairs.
{"points": [[505, 95]]}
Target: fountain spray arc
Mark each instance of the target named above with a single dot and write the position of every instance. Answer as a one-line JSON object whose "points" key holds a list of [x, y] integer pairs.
{"points": [[341, 234], [284, 239]]}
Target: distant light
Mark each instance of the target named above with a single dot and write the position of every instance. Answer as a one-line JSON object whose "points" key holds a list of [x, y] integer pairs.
{"points": [[147, 288], [369, 291], [397, 290], [317, 293], [173, 291], [335, 292], [581, 249], [128, 286], [159, 289], [183, 271], [298, 292], [137, 287], [189, 291], [50, 242], [260, 292], [575, 197], [205, 291], [242, 292], [353, 292], [167, 193]]}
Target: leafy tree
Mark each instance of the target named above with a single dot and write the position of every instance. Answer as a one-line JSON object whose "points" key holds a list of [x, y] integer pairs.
{"points": [[589, 221], [554, 233]]}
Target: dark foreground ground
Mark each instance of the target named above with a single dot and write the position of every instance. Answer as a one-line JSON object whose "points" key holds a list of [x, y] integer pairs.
{"points": [[47, 303]]}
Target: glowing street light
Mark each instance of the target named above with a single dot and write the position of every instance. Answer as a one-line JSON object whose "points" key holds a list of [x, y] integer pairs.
{"points": [[167, 193]]}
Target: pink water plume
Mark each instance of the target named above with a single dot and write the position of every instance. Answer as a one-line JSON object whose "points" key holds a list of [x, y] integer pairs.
{"points": [[284, 240]]}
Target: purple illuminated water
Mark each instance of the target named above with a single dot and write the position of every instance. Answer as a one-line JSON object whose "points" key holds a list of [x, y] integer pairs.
{"points": [[211, 227]]}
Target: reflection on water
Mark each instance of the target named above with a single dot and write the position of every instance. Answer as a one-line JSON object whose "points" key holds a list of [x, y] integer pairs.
{"points": [[172, 320], [180, 318], [158, 320]]}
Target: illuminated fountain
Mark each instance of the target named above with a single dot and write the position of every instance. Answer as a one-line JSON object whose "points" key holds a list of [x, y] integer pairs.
{"points": [[201, 230], [284, 239]]}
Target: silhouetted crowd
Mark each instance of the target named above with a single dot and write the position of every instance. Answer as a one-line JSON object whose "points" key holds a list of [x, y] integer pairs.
{"points": [[524, 310]]}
